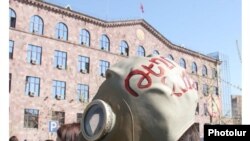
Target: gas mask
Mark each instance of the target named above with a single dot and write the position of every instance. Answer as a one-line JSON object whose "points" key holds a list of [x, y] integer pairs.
{"points": [[142, 99]]}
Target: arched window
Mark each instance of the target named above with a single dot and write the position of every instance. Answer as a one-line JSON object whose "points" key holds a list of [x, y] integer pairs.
{"points": [[124, 48], [204, 70], [12, 19], [140, 51], [104, 43], [170, 57], [194, 68], [84, 37], [214, 73], [155, 52], [61, 31], [36, 25], [182, 63]]}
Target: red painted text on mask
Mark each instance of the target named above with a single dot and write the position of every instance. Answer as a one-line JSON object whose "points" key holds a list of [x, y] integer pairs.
{"points": [[145, 81]]}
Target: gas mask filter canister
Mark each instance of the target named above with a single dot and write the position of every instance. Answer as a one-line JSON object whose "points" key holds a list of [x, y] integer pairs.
{"points": [[98, 120]]}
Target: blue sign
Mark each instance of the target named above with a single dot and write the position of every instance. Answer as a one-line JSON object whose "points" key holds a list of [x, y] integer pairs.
{"points": [[53, 125]]}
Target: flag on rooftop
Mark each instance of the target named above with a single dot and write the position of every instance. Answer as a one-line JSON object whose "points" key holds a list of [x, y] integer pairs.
{"points": [[142, 8]]}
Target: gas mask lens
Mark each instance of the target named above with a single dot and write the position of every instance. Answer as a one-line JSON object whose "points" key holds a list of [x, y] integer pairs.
{"points": [[98, 120]]}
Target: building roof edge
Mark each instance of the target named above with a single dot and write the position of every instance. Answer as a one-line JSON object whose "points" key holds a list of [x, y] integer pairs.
{"points": [[104, 23]]}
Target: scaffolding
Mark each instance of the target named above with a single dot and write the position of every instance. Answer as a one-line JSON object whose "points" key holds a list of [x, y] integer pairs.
{"points": [[224, 83]]}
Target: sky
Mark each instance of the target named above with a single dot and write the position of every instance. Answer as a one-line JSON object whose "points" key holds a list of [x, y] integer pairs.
{"points": [[201, 25]]}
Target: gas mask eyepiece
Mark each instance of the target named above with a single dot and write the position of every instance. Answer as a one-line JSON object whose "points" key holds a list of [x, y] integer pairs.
{"points": [[98, 120]]}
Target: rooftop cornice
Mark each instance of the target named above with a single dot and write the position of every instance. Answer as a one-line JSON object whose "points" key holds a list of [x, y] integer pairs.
{"points": [[110, 24]]}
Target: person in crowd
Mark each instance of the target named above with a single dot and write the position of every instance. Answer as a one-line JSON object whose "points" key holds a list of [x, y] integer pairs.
{"points": [[68, 132], [13, 138]]}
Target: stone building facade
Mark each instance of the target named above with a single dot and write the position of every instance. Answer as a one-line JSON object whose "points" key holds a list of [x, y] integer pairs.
{"points": [[236, 101], [58, 58]]}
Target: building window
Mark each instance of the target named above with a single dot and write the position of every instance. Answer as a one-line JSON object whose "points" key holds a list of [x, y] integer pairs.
{"points": [[79, 117], [215, 90], [155, 52], [12, 19], [10, 77], [196, 85], [58, 116], [83, 93], [197, 109], [34, 54], [83, 64], [59, 90], [61, 31], [32, 86], [31, 118], [36, 25], [84, 37], [124, 48], [205, 109], [214, 73], [140, 51], [104, 43], [170, 57], [183, 63], [60, 60], [204, 70], [194, 68], [11, 49], [205, 89], [103, 66]]}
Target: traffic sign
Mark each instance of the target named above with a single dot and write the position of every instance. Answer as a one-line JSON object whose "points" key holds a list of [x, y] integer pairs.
{"points": [[53, 126]]}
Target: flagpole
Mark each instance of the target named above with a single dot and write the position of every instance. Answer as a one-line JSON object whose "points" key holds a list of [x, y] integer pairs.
{"points": [[107, 9], [141, 10]]}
